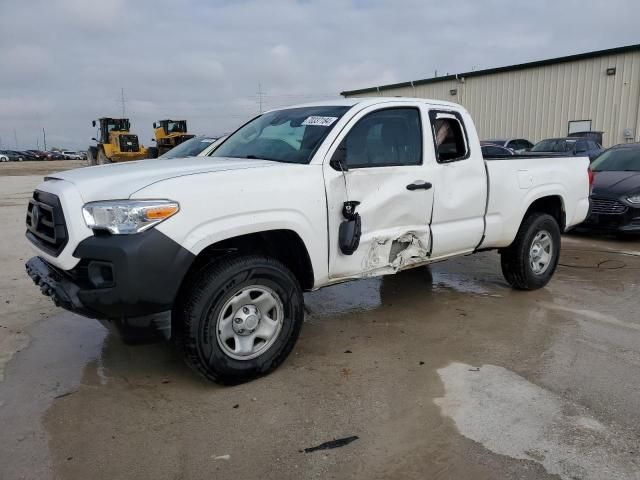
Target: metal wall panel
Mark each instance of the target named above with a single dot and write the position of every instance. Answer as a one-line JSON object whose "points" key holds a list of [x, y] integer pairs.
{"points": [[539, 102]]}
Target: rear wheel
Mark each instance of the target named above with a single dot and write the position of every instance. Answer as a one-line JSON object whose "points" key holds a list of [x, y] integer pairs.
{"points": [[102, 158], [530, 261], [239, 318]]}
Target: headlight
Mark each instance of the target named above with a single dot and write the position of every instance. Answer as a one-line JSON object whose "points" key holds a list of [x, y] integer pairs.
{"points": [[123, 217], [634, 198]]}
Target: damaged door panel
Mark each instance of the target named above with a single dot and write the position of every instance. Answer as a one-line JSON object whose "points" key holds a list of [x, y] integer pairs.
{"points": [[390, 254], [385, 172]]}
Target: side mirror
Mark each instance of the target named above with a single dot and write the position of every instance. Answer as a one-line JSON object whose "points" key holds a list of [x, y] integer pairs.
{"points": [[153, 139], [94, 139], [339, 159], [93, 123], [154, 125]]}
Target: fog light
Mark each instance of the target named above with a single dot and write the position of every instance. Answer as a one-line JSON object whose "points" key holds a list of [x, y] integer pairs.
{"points": [[100, 274]]}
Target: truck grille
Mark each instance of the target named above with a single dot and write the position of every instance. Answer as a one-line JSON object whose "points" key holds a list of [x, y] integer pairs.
{"points": [[129, 143], [46, 227], [606, 206]]}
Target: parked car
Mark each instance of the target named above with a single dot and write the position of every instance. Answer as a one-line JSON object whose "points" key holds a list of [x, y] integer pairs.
{"points": [[52, 155], [12, 155], [40, 155], [71, 155], [296, 199], [581, 147], [518, 145], [4, 158], [615, 197], [489, 149], [28, 155], [190, 148]]}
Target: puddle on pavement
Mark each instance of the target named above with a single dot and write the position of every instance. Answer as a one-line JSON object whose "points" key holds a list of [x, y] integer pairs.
{"points": [[366, 364]]}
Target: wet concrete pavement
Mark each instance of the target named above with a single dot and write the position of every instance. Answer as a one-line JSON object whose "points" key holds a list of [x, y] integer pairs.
{"points": [[442, 372]]}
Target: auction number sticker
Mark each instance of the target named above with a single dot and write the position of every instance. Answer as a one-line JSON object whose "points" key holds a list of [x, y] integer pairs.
{"points": [[319, 121]]}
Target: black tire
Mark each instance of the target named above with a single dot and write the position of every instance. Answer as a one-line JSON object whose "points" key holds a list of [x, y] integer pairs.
{"points": [[102, 158], [201, 302], [152, 152], [92, 156], [516, 259]]}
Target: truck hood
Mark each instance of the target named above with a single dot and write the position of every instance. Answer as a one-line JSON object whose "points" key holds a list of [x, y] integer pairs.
{"points": [[615, 183], [121, 180]]}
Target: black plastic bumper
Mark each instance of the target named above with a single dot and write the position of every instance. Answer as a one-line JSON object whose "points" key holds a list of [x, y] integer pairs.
{"points": [[56, 285], [119, 276]]}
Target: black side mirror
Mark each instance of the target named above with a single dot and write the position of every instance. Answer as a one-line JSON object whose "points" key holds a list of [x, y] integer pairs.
{"points": [[350, 228], [94, 139], [339, 159], [154, 125], [153, 139], [93, 123]]}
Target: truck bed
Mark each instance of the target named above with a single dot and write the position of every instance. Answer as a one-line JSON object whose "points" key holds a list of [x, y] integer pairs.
{"points": [[516, 181]]}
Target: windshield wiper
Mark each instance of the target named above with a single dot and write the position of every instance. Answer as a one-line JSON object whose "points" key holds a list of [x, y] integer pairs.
{"points": [[254, 157]]}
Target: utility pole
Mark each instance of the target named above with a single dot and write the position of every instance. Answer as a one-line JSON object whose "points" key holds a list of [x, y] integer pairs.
{"points": [[44, 138], [260, 94], [123, 102], [37, 143], [15, 138]]}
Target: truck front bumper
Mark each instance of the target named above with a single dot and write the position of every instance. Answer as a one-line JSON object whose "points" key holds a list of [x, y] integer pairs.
{"points": [[118, 276]]}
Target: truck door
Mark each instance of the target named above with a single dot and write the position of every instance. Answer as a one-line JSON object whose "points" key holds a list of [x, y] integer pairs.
{"points": [[460, 181], [384, 151]]}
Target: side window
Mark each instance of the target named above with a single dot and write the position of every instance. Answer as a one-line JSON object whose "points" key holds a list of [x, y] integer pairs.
{"points": [[392, 136], [520, 144], [449, 136]]}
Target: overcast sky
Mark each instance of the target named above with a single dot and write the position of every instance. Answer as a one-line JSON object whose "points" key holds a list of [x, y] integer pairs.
{"points": [[63, 62]]}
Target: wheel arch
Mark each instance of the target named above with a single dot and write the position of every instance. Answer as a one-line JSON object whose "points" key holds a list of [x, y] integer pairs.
{"points": [[282, 244], [553, 205]]}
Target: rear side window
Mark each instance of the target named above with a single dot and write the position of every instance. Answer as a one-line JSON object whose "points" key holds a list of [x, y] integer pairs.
{"points": [[384, 138], [449, 136]]}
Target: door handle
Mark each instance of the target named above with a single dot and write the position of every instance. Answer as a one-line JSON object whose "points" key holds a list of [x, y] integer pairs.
{"points": [[419, 184]]}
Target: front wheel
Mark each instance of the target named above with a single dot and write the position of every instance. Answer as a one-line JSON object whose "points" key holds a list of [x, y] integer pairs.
{"points": [[152, 152], [239, 318], [530, 261], [102, 157]]}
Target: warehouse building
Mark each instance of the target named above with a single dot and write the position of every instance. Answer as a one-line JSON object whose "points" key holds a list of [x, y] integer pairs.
{"points": [[596, 91]]}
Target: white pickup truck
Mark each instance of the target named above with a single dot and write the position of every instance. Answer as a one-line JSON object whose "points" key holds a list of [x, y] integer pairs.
{"points": [[220, 248]]}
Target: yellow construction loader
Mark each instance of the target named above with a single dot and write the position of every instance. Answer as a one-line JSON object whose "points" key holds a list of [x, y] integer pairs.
{"points": [[116, 143], [170, 133]]}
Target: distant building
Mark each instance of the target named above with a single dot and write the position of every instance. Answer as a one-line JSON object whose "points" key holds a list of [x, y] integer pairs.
{"points": [[597, 91]]}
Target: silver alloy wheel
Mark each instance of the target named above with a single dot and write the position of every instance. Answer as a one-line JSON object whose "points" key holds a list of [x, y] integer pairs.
{"points": [[541, 252], [249, 322]]}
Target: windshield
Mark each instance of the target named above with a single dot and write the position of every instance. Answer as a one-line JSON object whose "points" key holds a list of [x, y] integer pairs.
{"points": [[190, 148], [618, 160], [290, 135], [558, 145], [178, 126]]}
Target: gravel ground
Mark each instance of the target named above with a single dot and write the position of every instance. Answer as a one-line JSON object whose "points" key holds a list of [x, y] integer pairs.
{"points": [[441, 372]]}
